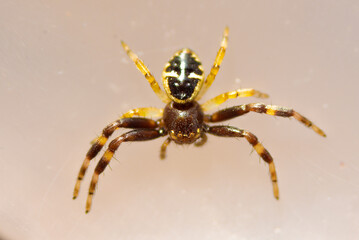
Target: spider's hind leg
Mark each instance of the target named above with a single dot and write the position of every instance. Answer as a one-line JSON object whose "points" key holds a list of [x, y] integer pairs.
{"points": [[217, 63], [227, 131], [146, 72]]}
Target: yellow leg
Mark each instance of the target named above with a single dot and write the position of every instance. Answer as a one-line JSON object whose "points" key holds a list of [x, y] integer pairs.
{"points": [[217, 62], [146, 72], [218, 100], [148, 112]]}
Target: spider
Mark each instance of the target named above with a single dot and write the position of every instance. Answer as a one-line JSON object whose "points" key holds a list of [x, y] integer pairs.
{"points": [[183, 119]]}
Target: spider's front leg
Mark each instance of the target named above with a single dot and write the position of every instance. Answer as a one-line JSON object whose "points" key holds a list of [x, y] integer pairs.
{"points": [[227, 131], [134, 135], [273, 110], [127, 122]]}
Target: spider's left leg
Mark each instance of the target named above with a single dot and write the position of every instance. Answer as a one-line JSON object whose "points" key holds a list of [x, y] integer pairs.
{"points": [[217, 63], [227, 131], [273, 110], [134, 135], [146, 72], [126, 121], [218, 100]]}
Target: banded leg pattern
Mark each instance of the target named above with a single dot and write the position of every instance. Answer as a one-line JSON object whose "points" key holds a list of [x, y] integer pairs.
{"points": [[228, 131], [218, 100], [101, 141], [146, 72], [273, 110], [134, 135], [217, 63]]}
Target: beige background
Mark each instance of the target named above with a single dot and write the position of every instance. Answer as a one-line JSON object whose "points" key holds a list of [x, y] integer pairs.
{"points": [[64, 76]]}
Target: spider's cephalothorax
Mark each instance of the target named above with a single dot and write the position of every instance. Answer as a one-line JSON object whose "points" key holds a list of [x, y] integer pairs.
{"points": [[183, 118], [184, 122]]}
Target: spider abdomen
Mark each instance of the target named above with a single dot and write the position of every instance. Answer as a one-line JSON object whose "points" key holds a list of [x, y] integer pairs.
{"points": [[183, 121], [183, 76]]}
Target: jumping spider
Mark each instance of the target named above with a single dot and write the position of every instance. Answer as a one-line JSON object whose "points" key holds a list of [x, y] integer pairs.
{"points": [[183, 118]]}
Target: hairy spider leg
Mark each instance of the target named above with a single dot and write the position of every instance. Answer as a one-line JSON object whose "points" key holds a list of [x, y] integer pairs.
{"points": [[228, 131], [147, 112], [146, 72], [164, 148], [218, 100], [217, 62], [134, 135], [273, 110], [100, 142], [127, 122]]}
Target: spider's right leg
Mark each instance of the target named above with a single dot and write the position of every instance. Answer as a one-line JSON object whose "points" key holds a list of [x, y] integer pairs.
{"points": [[228, 131], [146, 72], [126, 121], [218, 100]]}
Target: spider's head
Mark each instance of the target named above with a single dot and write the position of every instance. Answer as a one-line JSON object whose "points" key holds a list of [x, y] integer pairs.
{"points": [[183, 76]]}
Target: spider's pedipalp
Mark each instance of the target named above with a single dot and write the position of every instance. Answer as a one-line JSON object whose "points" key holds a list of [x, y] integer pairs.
{"points": [[218, 100], [201, 141], [100, 142], [217, 63], [273, 110], [146, 72], [134, 135], [164, 148], [228, 131]]}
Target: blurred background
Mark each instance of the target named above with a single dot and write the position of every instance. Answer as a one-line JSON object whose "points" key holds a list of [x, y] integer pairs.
{"points": [[64, 76]]}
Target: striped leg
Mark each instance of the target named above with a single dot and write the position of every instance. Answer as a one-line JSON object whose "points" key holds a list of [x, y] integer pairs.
{"points": [[148, 112], [218, 100], [215, 68], [236, 111], [227, 131], [146, 72], [100, 142], [134, 135]]}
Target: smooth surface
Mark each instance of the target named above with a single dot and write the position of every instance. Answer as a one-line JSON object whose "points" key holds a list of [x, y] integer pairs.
{"points": [[64, 76]]}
